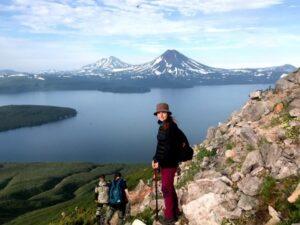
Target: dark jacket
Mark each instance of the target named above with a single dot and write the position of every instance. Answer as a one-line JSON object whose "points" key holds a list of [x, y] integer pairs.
{"points": [[168, 144]]}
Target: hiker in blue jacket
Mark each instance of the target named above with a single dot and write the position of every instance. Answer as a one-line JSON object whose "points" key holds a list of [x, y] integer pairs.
{"points": [[118, 199]]}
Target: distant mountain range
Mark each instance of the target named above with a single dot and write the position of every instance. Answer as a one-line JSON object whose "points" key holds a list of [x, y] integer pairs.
{"points": [[171, 69]]}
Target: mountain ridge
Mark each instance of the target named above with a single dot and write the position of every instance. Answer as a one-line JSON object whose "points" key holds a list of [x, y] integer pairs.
{"points": [[171, 69]]}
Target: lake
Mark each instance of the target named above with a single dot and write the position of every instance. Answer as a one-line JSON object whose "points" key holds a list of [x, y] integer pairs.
{"points": [[113, 127]]}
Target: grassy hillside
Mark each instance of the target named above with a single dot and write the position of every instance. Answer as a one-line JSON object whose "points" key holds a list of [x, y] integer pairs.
{"points": [[37, 193], [16, 116]]}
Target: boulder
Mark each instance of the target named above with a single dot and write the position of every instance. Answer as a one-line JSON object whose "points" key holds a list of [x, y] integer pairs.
{"points": [[208, 210], [295, 112], [210, 133], [230, 153], [247, 202], [252, 161], [284, 168], [236, 176], [294, 77], [248, 135], [273, 154], [138, 222], [250, 185], [255, 95], [295, 195], [275, 217], [254, 110], [290, 81], [295, 103]]}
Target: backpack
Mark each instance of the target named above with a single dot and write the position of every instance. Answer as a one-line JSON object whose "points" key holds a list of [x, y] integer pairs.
{"points": [[116, 192], [102, 190], [185, 153]]}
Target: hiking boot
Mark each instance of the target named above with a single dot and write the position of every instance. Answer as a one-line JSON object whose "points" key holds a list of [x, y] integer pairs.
{"points": [[165, 221]]}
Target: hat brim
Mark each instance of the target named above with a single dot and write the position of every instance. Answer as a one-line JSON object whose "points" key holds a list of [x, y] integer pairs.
{"points": [[170, 113]]}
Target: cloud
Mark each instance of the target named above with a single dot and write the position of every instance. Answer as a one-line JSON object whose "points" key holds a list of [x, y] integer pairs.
{"points": [[121, 17], [191, 7]]}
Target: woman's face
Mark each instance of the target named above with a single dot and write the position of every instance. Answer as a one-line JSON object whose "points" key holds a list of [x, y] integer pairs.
{"points": [[162, 116]]}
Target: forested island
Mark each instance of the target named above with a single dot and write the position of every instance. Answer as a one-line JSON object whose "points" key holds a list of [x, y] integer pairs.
{"points": [[17, 116]]}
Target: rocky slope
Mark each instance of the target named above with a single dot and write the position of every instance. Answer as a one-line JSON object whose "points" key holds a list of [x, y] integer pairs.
{"points": [[246, 171]]}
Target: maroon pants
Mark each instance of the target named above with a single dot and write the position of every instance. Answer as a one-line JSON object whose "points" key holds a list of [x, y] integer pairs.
{"points": [[169, 193]]}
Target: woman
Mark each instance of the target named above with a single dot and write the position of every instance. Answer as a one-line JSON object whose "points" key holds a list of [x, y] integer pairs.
{"points": [[166, 158]]}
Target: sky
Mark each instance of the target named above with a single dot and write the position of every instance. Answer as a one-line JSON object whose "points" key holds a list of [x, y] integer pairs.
{"points": [[37, 35]]}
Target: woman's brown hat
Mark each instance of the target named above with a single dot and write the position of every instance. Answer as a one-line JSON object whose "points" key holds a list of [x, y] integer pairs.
{"points": [[162, 107]]}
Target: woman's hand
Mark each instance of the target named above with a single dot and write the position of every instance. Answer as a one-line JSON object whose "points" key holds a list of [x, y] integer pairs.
{"points": [[155, 165]]}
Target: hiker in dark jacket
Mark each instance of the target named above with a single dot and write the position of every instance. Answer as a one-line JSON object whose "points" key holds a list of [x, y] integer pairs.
{"points": [[166, 159], [118, 199]]}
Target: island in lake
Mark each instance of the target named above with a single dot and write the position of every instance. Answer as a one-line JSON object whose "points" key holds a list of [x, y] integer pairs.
{"points": [[17, 116]]}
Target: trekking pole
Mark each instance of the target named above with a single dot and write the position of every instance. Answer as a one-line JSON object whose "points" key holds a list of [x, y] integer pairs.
{"points": [[156, 194]]}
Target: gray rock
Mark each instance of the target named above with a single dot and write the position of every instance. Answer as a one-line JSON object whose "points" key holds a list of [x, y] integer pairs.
{"points": [[234, 119], [236, 176], [247, 202], [275, 216], [254, 110], [295, 103], [294, 123], [284, 84], [255, 95], [223, 128], [264, 150], [258, 171], [248, 135], [294, 77], [273, 155], [252, 161], [284, 168], [250, 185], [210, 133], [205, 162], [295, 112], [290, 81]]}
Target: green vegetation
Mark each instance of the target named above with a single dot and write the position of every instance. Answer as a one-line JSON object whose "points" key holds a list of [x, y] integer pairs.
{"points": [[268, 187], [274, 194], [147, 216], [284, 119], [37, 193], [203, 152], [230, 146], [17, 116], [79, 216], [229, 161], [134, 177], [250, 147]]}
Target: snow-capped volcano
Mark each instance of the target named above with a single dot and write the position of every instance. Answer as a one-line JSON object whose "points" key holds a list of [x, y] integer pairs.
{"points": [[110, 64], [172, 62]]}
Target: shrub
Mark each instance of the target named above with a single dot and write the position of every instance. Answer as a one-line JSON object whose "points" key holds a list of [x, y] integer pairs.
{"points": [[268, 188], [203, 152], [230, 146]]}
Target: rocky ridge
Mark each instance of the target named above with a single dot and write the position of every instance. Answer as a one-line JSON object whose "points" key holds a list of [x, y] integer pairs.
{"points": [[247, 170]]}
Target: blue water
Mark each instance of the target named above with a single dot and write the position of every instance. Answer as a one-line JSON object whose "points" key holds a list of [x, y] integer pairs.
{"points": [[113, 127]]}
